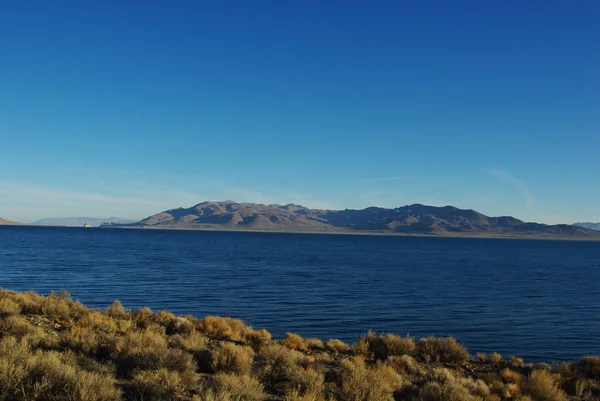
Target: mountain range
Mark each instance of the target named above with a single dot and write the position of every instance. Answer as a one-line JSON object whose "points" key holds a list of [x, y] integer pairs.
{"points": [[80, 221], [591, 226], [414, 219]]}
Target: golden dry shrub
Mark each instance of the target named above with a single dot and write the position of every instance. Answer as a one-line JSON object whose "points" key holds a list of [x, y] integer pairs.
{"points": [[475, 387], [18, 326], [231, 358], [97, 321], [222, 328], [9, 307], [357, 382], [447, 350], [361, 347], [148, 350], [542, 386], [295, 342], [335, 345], [173, 324], [307, 382], [80, 339], [495, 357], [542, 366], [28, 301], [13, 357], [283, 369], [589, 366], [158, 384], [192, 342], [405, 365], [481, 357], [55, 307], [365, 344], [143, 317], [449, 391], [515, 362], [510, 376], [152, 337], [296, 395], [397, 345], [146, 358], [117, 311], [257, 339], [45, 376], [230, 386], [315, 344]]}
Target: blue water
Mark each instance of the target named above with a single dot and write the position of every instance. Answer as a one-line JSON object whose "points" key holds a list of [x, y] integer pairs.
{"points": [[536, 299]]}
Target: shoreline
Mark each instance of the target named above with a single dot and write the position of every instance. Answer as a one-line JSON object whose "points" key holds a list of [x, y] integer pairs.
{"points": [[341, 232]]}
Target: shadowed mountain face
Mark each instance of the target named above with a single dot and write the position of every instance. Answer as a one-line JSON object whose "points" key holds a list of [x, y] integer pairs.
{"points": [[412, 219], [8, 222], [591, 226]]}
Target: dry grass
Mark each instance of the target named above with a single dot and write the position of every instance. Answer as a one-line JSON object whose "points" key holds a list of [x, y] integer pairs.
{"points": [[54, 348]]}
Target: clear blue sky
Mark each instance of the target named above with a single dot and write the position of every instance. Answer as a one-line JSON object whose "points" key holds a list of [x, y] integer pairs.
{"points": [[129, 108]]}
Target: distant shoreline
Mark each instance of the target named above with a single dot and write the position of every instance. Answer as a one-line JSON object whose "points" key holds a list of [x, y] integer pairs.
{"points": [[341, 232]]}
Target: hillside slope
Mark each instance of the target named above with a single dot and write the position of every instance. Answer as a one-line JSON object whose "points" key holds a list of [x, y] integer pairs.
{"points": [[411, 219], [8, 222]]}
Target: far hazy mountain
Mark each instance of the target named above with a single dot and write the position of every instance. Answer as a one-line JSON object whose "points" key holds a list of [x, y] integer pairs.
{"points": [[591, 226], [411, 219], [8, 222], [80, 221]]}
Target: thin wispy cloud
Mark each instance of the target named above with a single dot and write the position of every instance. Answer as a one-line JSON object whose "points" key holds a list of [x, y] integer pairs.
{"points": [[515, 183], [393, 178], [386, 178], [27, 202]]}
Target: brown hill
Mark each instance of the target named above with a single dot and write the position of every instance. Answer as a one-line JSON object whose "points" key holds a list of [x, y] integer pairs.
{"points": [[411, 219], [8, 222]]}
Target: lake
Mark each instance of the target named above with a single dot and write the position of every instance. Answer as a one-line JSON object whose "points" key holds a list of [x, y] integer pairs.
{"points": [[533, 298]]}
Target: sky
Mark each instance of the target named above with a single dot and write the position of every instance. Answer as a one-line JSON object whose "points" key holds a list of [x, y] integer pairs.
{"points": [[113, 108]]}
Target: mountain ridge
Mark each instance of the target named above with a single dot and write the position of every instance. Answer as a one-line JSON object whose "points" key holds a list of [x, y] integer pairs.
{"points": [[589, 225], [80, 221], [415, 219]]}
